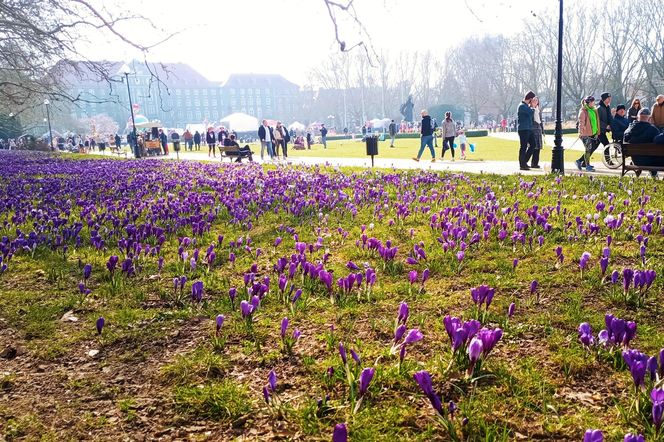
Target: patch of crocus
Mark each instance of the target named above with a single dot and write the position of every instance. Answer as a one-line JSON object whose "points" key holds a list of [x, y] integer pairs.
{"points": [[593, 436], [87, 271], [197, 291], [100, 324], [586, 334], [482, 295], [617, 332], [219, 322], [112, 263], [657, 398], [423, 379], [629, 437], [340, 433]]}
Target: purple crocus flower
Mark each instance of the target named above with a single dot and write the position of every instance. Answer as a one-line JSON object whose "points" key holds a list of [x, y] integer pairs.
{"points": [[219, 322], [350, 265], [296, 334], [593, 436], [629, 437], [412, 276], [399, 332], [112, 263], [657, 397], [232, 293], [87, 271], [340, 433], [413, 336], [637, 363], [652, 367], [460, 255], [515, 262], [296, 296], [266, 394], [100, 324], [423, 379], [272, 380], [533, 286], [197, 291], [365, 379], [583, 261], [246, 309], [355, 357], [586, 334], [284, 327], [628, 277], [615, 275], [342, 353], [604, 264], [510, 310], [425, 275], [277, 241], [402, 316], [475, 350]]}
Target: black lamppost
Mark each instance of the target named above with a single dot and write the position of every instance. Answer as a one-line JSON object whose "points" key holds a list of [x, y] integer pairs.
{"points": [[48, 118], [126, 70], [558, 153]]}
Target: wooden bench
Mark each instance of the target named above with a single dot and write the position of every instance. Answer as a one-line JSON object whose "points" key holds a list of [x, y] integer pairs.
{"points": [[118, 152], [641, 150]]}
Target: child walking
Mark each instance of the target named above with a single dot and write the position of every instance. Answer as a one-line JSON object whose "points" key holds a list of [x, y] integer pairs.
{"points": [[462, 143]]}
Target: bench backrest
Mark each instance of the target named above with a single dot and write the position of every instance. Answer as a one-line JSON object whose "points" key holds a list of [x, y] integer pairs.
{"points": [[642, 149]]}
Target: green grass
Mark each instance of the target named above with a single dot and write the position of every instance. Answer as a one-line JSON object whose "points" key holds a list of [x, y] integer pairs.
{"points": [[148, 333]]}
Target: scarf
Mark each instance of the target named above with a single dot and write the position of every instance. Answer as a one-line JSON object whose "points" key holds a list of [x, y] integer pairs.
{"points": [[594, 119]]}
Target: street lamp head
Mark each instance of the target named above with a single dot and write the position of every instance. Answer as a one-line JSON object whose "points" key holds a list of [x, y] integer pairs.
{"points": [[46, 102], [125, 69]]}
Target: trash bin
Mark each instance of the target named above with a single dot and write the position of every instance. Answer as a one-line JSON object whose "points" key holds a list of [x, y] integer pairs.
{"points": [[372, 145], [176, 146]]}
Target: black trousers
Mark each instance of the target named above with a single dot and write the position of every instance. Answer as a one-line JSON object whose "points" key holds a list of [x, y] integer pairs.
{"points": [[448, 143], [525, 147], [212, 147], [601, 139], [536, 157], [285, 147]]}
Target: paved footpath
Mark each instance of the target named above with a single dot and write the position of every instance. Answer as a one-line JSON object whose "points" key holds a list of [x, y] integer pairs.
{"points": [[469, 166]]}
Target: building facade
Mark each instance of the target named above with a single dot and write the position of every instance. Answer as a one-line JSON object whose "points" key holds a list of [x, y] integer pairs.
{"points": [[177, 95]]}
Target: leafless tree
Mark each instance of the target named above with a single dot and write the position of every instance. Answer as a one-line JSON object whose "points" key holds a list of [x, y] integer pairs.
{"points": [[39, 49]]}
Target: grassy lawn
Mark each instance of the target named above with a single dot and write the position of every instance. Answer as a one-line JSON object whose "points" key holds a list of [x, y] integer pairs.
{"points": [[487, 149], [251, 238]]}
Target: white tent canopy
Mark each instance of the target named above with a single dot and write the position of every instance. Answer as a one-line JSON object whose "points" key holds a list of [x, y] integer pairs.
{"points": [[240, 122], [297, 126]]}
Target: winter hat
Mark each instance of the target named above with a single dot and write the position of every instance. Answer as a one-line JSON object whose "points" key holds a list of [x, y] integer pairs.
{"points": [[529, 95], [620, 107], [644, 111], [605, 95]]}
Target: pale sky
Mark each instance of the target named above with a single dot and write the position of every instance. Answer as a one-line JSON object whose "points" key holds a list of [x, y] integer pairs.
{"points": [[290, 37]]}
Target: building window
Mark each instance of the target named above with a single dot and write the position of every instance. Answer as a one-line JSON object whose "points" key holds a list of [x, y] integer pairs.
{"points": [[232, 91], [267, 101], [233, 102], [267, 91], [197, 102], [188, 103], [205, 102], [178, 91], [241, 91], [204, 92], [186, 92], [258, 91], [190, 115], [195, 91], [213, 92]]}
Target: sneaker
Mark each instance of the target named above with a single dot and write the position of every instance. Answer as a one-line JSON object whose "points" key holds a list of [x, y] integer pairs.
{"points": [[536, 166], [524, 168], [416, 159], [590, 168], [578, 164], [433, 160]]}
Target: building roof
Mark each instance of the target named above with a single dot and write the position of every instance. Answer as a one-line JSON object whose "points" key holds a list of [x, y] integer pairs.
{"points": [[259, 81]]}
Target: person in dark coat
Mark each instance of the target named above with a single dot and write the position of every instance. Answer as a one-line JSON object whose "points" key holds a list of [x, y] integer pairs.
{"points": [[164, 141], [525, 123], [266, 136], [197, 140], [118, 141], [211, 140], [619, 124], [643, 132], [604, 111]]}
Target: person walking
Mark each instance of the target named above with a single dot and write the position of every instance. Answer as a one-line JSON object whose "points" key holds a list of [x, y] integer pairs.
{"points": [[657, 113], [426, 136], [211, 140], [163, 138], [118, 142], [525, 129], [605, 117], [197, 140], [287, 138], [538, 132], [188, 140], [323, 135], [434, 123], [449, 132], [588, 132], [278, 139], [266, 136], [634, 110], [392, 130]]}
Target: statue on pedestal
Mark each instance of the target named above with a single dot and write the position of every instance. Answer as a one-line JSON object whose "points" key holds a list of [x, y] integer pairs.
{"points": [[407, 109]]}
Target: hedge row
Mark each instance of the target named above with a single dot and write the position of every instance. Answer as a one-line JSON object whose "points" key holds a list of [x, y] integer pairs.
{"points": [[570, 130]]}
